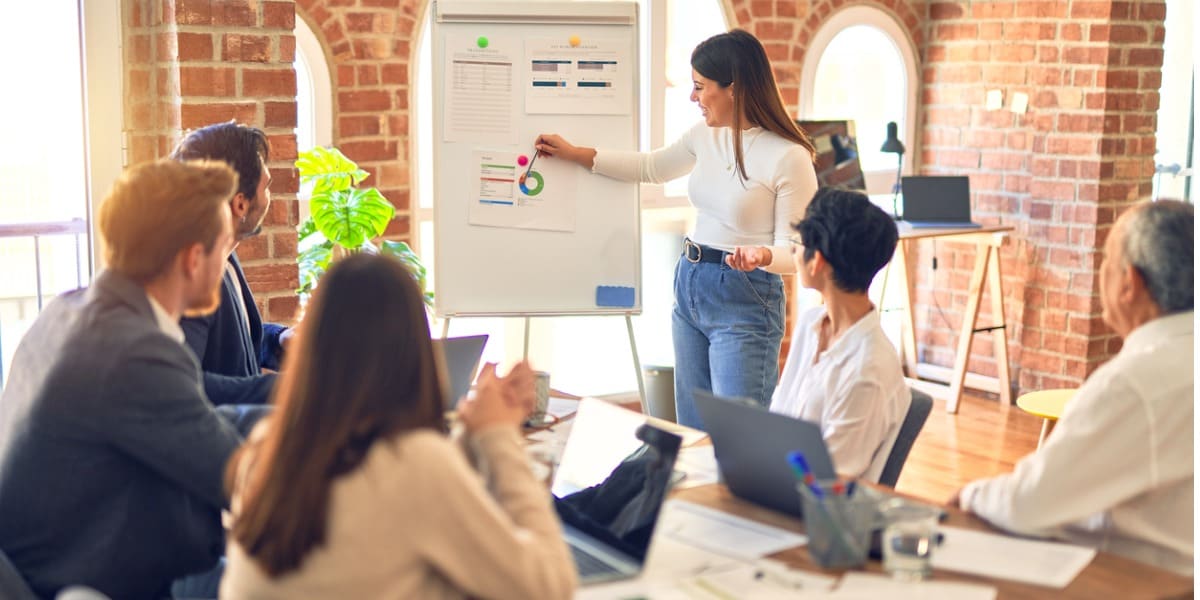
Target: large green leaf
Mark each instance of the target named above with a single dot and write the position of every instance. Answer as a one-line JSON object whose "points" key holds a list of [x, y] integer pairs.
{"points": [[351, 217], [402, 252], [328, 170], [313, 262]]}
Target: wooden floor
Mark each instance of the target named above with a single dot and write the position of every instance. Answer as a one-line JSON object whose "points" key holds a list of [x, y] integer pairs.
{"points": [[982, 440]]}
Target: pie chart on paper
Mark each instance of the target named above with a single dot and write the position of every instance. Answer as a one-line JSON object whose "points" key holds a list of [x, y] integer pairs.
{"points": [[533, 184]]}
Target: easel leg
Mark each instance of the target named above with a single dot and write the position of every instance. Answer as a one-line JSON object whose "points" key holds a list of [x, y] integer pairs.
{"points": [[525, 352], [445, 327], [637, 364], [908, 336], [999, 336], [967, 333]]}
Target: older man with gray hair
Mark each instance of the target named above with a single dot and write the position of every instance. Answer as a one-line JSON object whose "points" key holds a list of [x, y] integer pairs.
{"points": [[1117, 473]]}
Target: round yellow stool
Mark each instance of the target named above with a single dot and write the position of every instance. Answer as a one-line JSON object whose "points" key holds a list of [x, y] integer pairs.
{"points": [[1047, 404]]}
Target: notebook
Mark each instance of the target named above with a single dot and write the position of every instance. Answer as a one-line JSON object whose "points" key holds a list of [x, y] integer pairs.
{"points": [[937, 201], [609, 489], [460, 356]]}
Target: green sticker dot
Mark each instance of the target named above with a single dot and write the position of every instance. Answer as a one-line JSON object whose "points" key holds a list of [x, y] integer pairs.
{"points": [[482, 42]]}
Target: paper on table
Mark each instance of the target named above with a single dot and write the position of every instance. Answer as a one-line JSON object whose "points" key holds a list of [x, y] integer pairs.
{"points": [[669, 562], [724, 533], [866, 585], [1050, 564], [562, 407], [637, 589], [764, 579], [699, 464]]}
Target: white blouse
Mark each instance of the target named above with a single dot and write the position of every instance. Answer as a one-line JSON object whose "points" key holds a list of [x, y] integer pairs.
{"points": [[855, 391], [731, 212]]}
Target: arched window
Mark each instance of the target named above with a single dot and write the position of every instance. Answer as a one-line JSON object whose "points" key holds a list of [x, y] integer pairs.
{"points": [[314, 98], [861, 66]]}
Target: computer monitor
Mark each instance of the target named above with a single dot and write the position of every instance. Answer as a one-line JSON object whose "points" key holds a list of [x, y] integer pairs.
{"points": [[836, 153]]}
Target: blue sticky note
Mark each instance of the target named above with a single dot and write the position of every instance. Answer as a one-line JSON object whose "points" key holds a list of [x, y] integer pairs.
{"points": [[614, 295]]}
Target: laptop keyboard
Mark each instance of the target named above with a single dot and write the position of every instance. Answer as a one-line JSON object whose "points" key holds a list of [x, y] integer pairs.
{"points": [[587, 564]]}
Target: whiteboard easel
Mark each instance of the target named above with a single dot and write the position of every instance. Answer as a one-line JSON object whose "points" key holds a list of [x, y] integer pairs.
{"points": [[494, 55]]}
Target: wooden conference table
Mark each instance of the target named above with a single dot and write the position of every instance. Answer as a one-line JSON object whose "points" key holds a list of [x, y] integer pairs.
{"points": [[1107, 576]]}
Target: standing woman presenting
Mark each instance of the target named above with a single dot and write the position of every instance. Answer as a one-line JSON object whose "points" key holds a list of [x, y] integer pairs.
{"points": [[751, 177]]}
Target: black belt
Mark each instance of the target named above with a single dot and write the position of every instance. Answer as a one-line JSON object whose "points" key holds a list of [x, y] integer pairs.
{"points": [[695, 253]]}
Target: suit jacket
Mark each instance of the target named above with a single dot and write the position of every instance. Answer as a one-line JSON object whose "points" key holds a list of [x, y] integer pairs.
{"points": [[111, 457], [234, 346]]}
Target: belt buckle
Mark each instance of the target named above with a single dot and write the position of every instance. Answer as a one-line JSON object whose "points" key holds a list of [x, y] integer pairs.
{"points": [[688, 245]]}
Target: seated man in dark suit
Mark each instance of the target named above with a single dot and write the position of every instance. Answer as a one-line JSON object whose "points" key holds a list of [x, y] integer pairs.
{"points": [[111, 457], [233, 344]]}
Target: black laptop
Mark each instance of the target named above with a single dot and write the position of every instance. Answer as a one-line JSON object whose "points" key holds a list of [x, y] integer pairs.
{"points": [[941, 201], [460, 356], [609, 489], [751, 445]]}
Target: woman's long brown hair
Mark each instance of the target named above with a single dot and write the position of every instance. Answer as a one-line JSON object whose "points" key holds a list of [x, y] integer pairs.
{"points": [[361, 369], [737, 58]]}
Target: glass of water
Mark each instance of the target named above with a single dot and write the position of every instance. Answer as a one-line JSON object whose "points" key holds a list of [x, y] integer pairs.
{"points": [[908, 539]]}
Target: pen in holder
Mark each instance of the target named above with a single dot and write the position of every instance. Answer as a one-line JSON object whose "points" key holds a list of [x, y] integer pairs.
{"points": [[838, 524], [838, 521]]}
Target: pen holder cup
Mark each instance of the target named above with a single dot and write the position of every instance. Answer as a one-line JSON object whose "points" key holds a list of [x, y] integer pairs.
{"points": [[838, 526]]}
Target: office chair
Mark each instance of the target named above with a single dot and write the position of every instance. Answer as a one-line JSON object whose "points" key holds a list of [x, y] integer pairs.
{"points": [[918, 411], [12, 584]]}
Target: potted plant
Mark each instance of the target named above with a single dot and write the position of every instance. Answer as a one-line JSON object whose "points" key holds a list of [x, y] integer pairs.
{"points": [[343, 219]]}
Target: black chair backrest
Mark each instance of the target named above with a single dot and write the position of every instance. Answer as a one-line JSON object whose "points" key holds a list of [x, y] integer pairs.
{"points": [[918, 411]]}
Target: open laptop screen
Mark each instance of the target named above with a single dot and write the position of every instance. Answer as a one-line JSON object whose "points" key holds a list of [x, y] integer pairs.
{"points": [[614, 475], [460, 358], [936, 198]]}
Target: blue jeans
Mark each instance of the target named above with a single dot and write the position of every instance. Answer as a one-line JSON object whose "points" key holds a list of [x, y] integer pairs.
{"points": [[726, 327]]}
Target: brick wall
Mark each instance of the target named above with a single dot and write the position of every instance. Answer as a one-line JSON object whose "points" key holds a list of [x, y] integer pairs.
{"points": [[370, 45], [1060, 173], [191, 63]]}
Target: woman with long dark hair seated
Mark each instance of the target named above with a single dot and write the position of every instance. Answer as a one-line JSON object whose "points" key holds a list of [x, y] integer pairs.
{"points": [[353, 489]]}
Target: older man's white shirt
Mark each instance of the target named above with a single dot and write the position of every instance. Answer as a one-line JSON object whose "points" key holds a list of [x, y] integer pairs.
{"points": [[1117, 471], [855, 391]]}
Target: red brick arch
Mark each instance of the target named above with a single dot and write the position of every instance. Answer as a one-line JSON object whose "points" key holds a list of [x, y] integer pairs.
{"points": [[369, 45], [785, 27]]}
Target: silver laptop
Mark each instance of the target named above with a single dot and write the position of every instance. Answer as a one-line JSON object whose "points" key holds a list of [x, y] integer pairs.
{"points": [[609, 489], [937, 201], [460, 355], [751, 444]]}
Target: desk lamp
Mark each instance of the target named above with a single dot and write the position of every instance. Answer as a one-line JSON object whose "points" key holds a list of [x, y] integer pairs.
{"points": [[893, 145]]}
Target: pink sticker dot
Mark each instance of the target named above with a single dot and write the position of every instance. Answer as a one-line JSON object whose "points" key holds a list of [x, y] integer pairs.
{"points": [[522, 160]]}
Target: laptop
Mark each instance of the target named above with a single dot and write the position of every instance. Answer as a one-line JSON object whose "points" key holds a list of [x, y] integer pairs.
{"points": [[460, 355], [937, 201], [751, 444], [609, 489]]}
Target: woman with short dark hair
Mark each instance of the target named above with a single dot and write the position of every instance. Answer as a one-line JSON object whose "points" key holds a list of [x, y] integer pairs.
{"points": [[842, 372]]}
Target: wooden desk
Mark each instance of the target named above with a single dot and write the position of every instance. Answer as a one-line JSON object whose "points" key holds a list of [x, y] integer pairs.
{"points": [[987, 242], [1107, 576]]}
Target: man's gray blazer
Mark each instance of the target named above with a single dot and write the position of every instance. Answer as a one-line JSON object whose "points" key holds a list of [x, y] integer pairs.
{"points": [[111, 458]]}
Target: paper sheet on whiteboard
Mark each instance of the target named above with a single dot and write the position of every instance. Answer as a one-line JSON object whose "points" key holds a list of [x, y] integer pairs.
{"points": [[589, 79], [479, 95]]}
